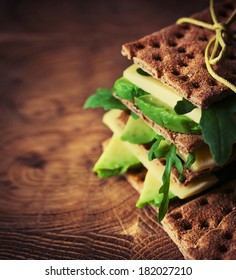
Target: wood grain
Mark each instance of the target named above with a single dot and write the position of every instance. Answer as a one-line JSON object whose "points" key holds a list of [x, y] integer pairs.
{"points": [[52, 206]]}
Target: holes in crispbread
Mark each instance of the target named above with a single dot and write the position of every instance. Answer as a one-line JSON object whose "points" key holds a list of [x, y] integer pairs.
{"points": [[203, 38], [177, 215], [175, 72], [179, 35], [184, 78], [227, 210], [228, 235], [185, 26], [154, 44], [172, 43], [156, 57], [195, 85], [181, 50], [182, 64], [185, 225], [203, 224], [139, 46], [223, 249], [212, 83], [203, 201], [190, 55]]}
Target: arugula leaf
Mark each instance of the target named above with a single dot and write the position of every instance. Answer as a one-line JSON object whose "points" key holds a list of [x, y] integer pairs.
{"points": [[171, 160], [142, 72], [190, 160], [103, 98], [157, 200], [183, 107], [169, 153], [154, 147], [218, 126]]}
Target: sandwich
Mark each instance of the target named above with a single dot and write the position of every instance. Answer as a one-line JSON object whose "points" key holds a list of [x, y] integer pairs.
{"points": [[173, 119]]}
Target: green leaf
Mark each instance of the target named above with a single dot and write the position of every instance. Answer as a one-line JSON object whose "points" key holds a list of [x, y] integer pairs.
{"points": [[169, 153], [190, 160], [142, 72], [183, 107], [104, 98], [164, 204], [127, 90], [218, 126], [154, 147], [157, 200], [171, 160]]}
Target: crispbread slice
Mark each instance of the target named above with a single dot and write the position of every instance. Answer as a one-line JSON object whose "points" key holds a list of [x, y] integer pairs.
{"points": [[219, 243], [204, 228], [175, 55], [209, 221]]}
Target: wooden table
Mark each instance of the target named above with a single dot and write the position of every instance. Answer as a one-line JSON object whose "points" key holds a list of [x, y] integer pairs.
{"points": [[53, 55]]}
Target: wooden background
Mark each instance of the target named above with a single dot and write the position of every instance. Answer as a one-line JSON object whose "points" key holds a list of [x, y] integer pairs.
{"points": [[53, 55]]}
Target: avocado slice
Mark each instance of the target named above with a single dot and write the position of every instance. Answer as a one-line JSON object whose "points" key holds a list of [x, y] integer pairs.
{"points": [[127, 90], [136, 131], [150, 192], [165, 116], [115, 159]]}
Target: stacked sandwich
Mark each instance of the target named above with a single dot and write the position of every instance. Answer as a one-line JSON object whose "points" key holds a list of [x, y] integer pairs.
{"points": [[174, 131]]}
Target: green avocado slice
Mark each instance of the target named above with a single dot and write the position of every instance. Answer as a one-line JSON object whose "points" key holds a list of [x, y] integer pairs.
{"points": [[116, 159], [127, 90], [136, 131], [150, 193], [166, 116]]}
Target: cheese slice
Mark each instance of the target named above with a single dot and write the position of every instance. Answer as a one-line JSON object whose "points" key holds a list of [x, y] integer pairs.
{"points": [[158, 90], [203, 159], [110, 119]]}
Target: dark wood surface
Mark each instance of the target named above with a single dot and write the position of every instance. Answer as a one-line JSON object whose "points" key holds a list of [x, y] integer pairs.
{"points": [[53, 55]]}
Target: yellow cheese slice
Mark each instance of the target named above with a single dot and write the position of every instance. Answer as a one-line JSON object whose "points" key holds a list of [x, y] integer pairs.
{"points": [[110, 119], [203, 159], [158, 89]]}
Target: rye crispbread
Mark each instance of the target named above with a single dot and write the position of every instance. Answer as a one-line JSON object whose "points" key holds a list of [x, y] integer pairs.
{"points": [[202, 228], [205, 228], [175, 55]]}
